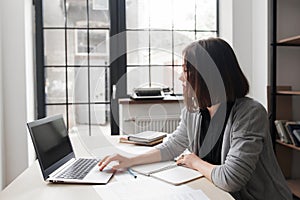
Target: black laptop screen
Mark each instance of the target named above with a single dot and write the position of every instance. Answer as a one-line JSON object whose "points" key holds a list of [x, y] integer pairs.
{"points": [[52, 141]]}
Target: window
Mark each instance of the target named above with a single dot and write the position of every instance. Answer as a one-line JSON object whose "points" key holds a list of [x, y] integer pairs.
{"points": [[157, 32], [75, 61], [74, 73]]}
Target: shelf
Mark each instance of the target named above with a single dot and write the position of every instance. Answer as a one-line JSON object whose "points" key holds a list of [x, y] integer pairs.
{"points": [[288, 92], [294, 185], [288, 145], [290, 41]]}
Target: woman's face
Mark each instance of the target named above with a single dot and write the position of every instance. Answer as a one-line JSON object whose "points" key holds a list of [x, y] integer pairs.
{"points": [[183, 77]]}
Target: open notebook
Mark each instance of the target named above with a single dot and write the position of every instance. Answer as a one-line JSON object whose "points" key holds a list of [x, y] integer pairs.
{"points": [[168, 171]]}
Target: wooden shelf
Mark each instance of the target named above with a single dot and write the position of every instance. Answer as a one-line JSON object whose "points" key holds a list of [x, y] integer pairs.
{"points": [[290, 41], [294, 185], [288, 92], [288, 145]]}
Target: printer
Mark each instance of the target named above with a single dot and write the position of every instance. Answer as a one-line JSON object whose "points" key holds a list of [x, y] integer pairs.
{"points": [[147, 93]]}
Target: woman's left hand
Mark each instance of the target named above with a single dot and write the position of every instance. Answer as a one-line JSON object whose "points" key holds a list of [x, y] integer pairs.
{"points": [[194, 162], [189, 160]]}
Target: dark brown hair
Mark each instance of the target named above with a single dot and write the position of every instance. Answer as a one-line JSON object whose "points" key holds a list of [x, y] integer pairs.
{"points": [[212, 70]]}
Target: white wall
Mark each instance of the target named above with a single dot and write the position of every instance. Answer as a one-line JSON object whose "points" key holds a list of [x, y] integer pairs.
{"points": [[1, 116], [242, 36], [14, 115], [30, 66], [260, 46], [226, 21], [244, 25]]}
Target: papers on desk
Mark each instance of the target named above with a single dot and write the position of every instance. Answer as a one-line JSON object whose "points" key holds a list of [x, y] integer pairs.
{"points": [[147, 189]]}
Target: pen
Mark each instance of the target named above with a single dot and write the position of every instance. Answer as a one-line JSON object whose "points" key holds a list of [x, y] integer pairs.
{"points": [[187, 151], [131, 172]]}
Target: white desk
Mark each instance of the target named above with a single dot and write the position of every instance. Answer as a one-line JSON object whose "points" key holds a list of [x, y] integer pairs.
{"points": [[30, 184]]}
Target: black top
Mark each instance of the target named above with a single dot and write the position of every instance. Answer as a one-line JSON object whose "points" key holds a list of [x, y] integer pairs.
{"points": [[212, 128]]}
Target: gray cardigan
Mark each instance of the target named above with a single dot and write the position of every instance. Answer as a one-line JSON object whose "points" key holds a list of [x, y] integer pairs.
{"points": [[249, 169]]}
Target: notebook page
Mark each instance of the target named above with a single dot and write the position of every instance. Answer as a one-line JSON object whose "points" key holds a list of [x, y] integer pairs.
{"points": [[148, 169], [177, 175]]}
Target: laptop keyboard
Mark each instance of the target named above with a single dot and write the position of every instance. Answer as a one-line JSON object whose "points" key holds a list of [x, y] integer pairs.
{"points": [[79, 169]]}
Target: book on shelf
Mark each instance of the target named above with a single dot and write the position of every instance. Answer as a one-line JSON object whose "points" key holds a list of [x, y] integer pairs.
{"points": [[296, 133], [168, 171], [290, 127], [281, 131]]}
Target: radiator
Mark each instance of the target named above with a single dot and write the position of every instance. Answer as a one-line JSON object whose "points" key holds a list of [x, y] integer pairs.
{"points": [[158, 123]]}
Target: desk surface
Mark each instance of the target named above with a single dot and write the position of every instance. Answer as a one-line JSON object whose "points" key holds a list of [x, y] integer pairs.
{"points": [[30, 184]]}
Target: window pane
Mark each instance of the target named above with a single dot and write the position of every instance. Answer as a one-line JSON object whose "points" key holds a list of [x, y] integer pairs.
{"points": [[100, 4], [72, 120], [137, 47], [55, 110], [99, 47], [76, 13], [137, 77], [54, 41], [161, 48], [137, 14], [205, 35], [161, 76], [99, 14], [101, 115], [184, 15], [206, 18], [181, 40], [79, 119], [98, 114], [80, 114], [78, 84], [99, 84], [177, 82], [77, 47], [53, 13], [160, 14], [55, 85]]}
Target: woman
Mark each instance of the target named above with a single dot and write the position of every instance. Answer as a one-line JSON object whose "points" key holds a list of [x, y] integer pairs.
{"points": [[226, 132]]}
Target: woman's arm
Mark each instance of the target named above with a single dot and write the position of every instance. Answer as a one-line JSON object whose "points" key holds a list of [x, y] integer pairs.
{"points": [[194, 162], [248, 132], [175, 145], [246, 145], [124, 162], [179, 139]]}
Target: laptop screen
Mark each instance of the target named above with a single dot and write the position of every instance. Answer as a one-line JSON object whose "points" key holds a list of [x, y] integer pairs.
{"points": [[51, 140]]}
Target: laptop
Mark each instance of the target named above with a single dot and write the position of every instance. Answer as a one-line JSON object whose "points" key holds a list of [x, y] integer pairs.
{"points": [[56, 156]]}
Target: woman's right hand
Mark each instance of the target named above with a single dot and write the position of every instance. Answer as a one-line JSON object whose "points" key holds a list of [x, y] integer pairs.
{"points": [[124, 162]]}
